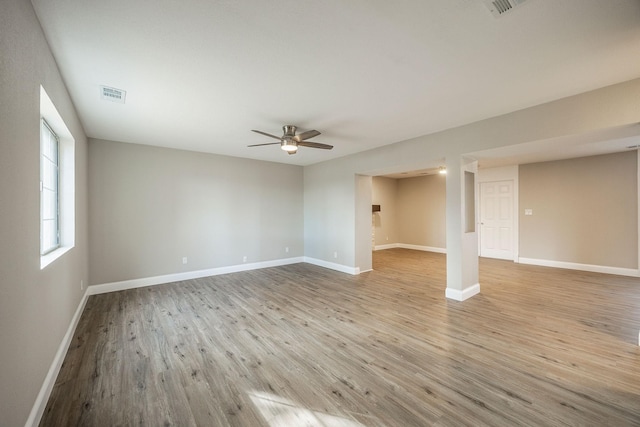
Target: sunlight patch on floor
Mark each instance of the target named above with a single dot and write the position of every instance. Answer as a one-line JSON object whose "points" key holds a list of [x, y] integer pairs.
{"points": [[281, 412]]}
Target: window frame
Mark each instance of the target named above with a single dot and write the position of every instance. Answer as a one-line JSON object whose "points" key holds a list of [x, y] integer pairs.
{"points": [[45, 127], [66, 189]]}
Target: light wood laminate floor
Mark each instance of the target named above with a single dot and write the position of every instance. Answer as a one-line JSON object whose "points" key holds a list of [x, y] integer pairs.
{"points": [[300, 345]]}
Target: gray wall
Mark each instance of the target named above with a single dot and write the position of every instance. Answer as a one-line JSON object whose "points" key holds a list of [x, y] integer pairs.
{"points": [[422, 211], [584, 210], [330, 213], [332, 184], [36, 306], [152, 206]]}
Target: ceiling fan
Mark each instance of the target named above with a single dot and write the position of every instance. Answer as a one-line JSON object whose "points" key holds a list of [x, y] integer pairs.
{"points": [[290, 142]]}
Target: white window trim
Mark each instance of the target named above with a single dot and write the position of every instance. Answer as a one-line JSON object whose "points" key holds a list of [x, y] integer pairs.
{"points": [[66, 189], [44, 125]]}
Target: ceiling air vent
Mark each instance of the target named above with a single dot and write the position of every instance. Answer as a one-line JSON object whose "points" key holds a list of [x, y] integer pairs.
{"points": [[112, 94], [500, 7]]}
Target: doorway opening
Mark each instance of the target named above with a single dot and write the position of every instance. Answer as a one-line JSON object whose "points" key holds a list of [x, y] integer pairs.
{"points": [[411, 212]]}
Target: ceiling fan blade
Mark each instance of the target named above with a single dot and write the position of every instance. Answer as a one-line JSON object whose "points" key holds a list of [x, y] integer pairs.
{"points": [[265, 134], [306, 135], [315, 145], [268, 143]]}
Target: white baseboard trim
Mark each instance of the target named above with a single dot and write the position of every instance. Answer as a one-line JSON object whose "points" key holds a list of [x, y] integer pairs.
{"points": [[408, 246], [333, 266], [383, 247], [461, 295], [423, 248], [188, 275], [49, 381], [582, 267]]}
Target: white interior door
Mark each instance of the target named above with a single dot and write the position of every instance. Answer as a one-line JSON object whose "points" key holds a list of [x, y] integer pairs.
{"points": [[496, 219]]}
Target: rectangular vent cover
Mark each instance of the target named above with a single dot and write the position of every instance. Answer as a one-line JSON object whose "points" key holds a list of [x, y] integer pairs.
{"points": [[500, 7], [112, 94]]}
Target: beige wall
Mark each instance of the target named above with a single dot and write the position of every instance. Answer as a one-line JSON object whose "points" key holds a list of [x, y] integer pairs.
{"points": [[413, 211], [421, 211], [36, 306], [152, 206], [584, 210], [384, 193]]}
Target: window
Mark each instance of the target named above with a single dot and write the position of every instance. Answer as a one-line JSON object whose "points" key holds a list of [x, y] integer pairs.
{"points": [[49, 184], [469, 202], [57, 184]]}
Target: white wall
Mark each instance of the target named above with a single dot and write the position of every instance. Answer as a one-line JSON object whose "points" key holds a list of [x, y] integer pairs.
{"points": [[36, 306], [152, 206]]}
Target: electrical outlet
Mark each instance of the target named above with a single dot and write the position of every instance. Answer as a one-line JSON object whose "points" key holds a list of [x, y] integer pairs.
{"points": [[244, 259], [335, 254], [184, 259], [286, 249], [81, 285]]}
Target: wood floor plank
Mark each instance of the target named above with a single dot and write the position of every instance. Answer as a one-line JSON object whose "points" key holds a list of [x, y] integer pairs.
{"points": [[302, 345]]}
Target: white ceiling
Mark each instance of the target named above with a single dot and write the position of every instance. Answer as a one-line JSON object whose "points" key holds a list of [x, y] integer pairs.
{"points": [[614, 140], [200, 74]]}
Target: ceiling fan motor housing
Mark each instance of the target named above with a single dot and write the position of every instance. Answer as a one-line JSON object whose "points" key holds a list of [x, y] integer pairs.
{"points": [[289, 131]]}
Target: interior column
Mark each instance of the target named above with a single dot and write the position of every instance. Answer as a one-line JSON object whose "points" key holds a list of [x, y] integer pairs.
{"points": [[462, 236]]}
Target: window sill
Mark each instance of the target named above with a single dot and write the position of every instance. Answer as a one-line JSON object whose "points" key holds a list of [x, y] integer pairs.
{"points": [[47, 259]]}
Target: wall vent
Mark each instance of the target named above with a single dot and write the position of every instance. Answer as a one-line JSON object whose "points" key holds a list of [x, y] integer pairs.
{"points": [[112, 94], [500, 7]]}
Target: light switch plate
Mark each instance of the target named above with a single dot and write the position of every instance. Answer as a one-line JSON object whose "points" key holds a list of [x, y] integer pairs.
{"points": [[528, 211]]}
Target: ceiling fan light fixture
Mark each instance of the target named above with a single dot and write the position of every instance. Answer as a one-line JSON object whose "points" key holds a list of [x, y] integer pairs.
{"points": [[290, 140], [289, 145], [442, 170], [289, 148]]}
